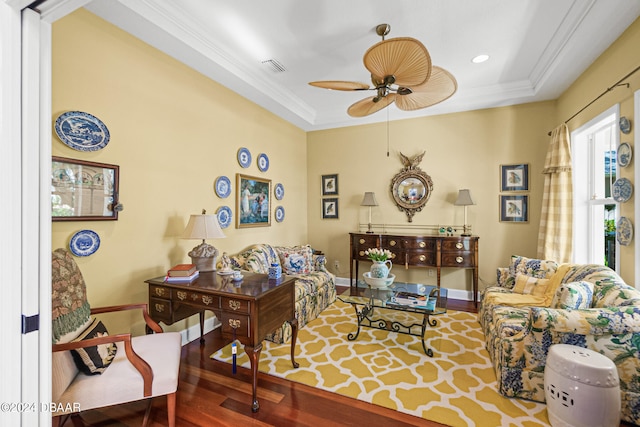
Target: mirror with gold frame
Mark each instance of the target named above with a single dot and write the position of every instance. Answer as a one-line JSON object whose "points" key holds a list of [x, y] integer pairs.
{"points": [[411, 188]]}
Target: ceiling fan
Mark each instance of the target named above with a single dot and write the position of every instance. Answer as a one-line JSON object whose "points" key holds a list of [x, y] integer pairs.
{"points": [[401, 72]]}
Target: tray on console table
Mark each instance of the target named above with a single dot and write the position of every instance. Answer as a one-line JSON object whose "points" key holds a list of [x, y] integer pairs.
{"points": [[418, 251]]}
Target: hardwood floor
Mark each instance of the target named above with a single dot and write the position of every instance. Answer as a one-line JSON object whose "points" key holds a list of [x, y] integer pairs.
{"points": [[209, 394]]}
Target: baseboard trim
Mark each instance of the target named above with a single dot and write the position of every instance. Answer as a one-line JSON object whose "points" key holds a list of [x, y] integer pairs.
{"points": [[458, 294], [193, 332]]}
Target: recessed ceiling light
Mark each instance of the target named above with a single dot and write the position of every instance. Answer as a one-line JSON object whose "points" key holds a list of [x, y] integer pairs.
{"points": [[480, 58]]}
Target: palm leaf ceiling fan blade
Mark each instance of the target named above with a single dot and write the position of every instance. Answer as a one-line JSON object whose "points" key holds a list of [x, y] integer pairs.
{"points": [[404, 58], [368, 106], [440, 86], [340, 85]]}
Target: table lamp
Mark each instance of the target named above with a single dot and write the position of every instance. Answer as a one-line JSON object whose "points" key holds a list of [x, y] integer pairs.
{"points": [[464, 199], [203, 227], [369, 200]]}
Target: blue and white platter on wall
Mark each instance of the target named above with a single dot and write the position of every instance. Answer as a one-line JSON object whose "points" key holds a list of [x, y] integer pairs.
{"points": [[278, 191], [84, 243], [622, 190], [224, 216], [624, 231], [244, 157], [223, 187], [82, 131], [263, 162], [279, 214]]}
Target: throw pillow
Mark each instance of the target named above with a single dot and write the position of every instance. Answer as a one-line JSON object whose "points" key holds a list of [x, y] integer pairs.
{"points": [[573, 295], [530, 285], [532, 267], [296, 260], [95, 359]]}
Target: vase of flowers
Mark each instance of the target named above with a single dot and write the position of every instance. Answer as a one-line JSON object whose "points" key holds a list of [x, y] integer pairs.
{"points": [[381, 259]]}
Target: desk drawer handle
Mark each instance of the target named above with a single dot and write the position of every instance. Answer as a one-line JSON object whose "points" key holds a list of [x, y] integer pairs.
{"points": [[423, 258], [182, 295], [423, 244], [361, 253], [234, 323], [393, 243], [159, 308], [459, 259], [362, 241], [206, 299], [234, 305], [160, 292], [459, 245]]}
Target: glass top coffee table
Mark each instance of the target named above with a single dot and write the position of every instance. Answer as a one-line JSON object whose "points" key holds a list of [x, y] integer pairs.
{"points": [[379, 308]]}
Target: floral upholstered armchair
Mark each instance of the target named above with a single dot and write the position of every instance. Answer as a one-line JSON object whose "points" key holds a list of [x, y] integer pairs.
{"points": [[588, 306], [315, 286]]}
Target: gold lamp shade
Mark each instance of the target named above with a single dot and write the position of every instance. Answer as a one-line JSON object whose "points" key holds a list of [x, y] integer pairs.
{"points": [[404, 58], [440, 86]]}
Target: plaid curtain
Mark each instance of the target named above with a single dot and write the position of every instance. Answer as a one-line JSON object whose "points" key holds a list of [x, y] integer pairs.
{"points": [[556, 219]]}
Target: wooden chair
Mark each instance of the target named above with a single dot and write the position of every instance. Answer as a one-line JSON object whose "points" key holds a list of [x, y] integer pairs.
{"points": [[143, 367]]}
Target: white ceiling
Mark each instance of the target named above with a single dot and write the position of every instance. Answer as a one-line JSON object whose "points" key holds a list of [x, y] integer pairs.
{"points": [[537, 47]]}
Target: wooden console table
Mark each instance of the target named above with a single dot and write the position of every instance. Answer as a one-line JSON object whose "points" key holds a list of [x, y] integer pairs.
{"points": [[248, 310], [419, 251]]}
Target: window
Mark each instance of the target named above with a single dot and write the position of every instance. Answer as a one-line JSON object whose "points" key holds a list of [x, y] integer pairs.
{"points": [[593, 149]]}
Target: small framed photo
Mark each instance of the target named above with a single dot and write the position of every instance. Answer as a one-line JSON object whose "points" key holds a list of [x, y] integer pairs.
{"points": [[330, 208], [330, 185], [514, 208], [514, 177]]}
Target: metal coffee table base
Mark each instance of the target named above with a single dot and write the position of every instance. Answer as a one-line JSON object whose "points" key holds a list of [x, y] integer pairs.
{"points": [[366, 318]]}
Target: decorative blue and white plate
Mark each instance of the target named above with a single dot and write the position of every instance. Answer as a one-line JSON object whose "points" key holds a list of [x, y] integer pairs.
{"points": [[624, 154], [278, 191], [279, 214], [223, 187], [263, 162], [224, 216], [244, 157], [622, 190], [84, 243], [624, 231], [625, 125], [82, 131]]}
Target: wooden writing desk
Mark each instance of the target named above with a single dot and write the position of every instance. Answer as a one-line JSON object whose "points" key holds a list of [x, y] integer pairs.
{"points": [[248, 310]]}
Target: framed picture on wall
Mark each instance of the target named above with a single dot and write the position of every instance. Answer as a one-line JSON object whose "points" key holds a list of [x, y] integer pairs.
{"points": [[330, 208], [514, 177], [253, 204], [330, 185], [514, 208]]}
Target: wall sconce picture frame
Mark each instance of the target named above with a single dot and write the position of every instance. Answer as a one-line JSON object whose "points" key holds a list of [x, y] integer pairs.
{"points": [[330, 185], [84, 191], [330, 208], [253, 204], [514, 208], [514, 177]]}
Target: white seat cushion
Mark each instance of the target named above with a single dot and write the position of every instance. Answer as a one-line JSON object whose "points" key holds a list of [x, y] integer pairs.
{"points": [[121, 382]]}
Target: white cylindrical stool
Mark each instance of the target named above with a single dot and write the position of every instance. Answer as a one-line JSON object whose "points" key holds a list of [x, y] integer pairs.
{"points": [[581, 387]]}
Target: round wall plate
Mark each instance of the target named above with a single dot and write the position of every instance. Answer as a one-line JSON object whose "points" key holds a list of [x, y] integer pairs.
{"points": [[84, 243], [278, 191], [622, 190], [81, 131], [223, 187], [224, 216], [244, 157], [624, 231], [625, 125], [624, 154], [279, 214], [263, 162]]}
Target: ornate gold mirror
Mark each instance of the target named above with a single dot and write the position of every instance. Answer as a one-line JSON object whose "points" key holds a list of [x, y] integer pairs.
{"points": [[411, 187]]}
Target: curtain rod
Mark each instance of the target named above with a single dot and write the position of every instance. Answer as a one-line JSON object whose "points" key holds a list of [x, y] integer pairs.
{"points": [[609, 89]]}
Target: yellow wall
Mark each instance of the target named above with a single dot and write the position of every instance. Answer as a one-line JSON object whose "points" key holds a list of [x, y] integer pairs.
{"points": [[173, 132], [463, 150], [622, 57]]}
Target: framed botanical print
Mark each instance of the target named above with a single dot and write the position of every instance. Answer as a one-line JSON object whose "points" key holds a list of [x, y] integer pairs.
{"points": [[514, 177], [330, 208], [330, 185], [253, 204], [514, 208]]}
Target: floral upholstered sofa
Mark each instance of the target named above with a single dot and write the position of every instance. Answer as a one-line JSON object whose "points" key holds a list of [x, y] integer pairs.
{"points": [[315, 286], [539, 303]]}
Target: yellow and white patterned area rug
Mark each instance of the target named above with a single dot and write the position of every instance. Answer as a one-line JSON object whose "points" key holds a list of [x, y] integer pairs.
{"points": [[456, 387]]}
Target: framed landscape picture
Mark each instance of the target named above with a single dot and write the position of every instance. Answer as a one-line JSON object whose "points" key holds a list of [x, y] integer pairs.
{"points": [[253, 205], [330, 185], [514, 177], [330, 208], [514, 208]]}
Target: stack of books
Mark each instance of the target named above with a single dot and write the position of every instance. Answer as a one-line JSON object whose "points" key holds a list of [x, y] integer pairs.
{"points": [[408, 299], [181, 273]]}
